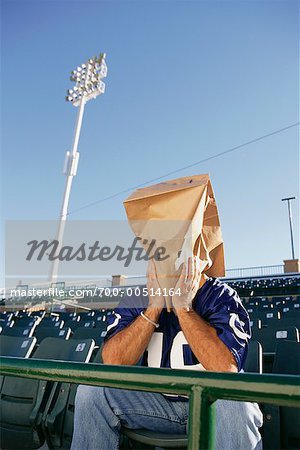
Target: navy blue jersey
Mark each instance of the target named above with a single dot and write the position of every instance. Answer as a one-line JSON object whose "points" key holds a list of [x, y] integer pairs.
{"points": [[215, 302]]}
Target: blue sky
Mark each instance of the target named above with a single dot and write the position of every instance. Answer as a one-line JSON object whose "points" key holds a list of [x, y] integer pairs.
{"points": [[187, 79]]}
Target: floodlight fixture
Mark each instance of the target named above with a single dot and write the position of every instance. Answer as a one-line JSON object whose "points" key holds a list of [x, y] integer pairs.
{"points": [[88, 78]]}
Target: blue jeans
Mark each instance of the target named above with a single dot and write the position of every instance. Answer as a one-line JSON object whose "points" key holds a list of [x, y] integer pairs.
{"points": [[100, 412]]}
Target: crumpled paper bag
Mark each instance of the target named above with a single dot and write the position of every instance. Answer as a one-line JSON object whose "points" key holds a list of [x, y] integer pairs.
{"points": [[181, 215]]}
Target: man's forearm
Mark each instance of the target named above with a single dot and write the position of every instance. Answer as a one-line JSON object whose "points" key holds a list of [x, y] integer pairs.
{"points": [[210, 351], [127, 346]]}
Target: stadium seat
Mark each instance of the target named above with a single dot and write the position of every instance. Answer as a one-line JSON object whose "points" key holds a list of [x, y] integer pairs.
{"points": [[62, 397], [284, 322], [270, 315], [79, 350], [86, 315], [101, 325], [49, 323], [5, 324], [65, 315], [75, 318], [254, 361], [94, 333], [26, 322], [6, 317], [154, 439], [287, 361], [43, 332], [291, 313], [281, 428], [81, 324], [58, 420], [287, 358], [16, 346], [97, 359], [22, 314], [18, 331], [255, 323], [39, 314], [269, 337], [22, 400]]}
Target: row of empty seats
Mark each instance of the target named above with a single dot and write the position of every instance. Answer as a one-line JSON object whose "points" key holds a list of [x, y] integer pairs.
{"points": [[32, 410], [37, 410]]}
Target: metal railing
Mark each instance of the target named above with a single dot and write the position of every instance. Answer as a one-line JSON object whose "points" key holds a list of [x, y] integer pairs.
{"points": [[241, 272], [203, 388], [256, 271]]}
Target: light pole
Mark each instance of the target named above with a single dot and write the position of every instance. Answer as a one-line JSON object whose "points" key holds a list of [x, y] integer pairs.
{"points": [[89, 84], [288, 199]]}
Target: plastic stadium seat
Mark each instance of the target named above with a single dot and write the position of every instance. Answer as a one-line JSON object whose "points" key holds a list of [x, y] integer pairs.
{"points": [[79, 350], [39, 314], [86, 315], [49, 323], [101, 325], [18, 331], [62, 397], [58, 419], [22, 314], [94, 333], [75, 318], [287, 361], [255, 323], [7, 317], [287, 358], [50, 320], [22, 401], [281, 428], [16, 346], [284, 322], [254, 361], [269, 337], [26, 322], [154, 439], [266, 306], [43, 332], [65, 315], [4, 323], [97, 359], [269, 315], [292, 313], [81, 324]]}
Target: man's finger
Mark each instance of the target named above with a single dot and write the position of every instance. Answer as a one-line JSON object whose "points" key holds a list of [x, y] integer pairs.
{"points": [[190, 269]]}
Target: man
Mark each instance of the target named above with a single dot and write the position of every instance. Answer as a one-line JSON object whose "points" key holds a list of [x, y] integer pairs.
{"points": [[208, 329]]}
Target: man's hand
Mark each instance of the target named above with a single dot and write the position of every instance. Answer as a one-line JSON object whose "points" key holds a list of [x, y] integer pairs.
{"points": [[155, 301], [127, 346], [187, 285]]}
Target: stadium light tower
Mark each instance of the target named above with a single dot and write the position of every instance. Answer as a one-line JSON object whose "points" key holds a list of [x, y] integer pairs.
{"points": [[288, 200], [88, 78]]}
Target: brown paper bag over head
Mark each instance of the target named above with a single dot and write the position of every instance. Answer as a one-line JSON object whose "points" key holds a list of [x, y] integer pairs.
{"points": [[181, 216]]}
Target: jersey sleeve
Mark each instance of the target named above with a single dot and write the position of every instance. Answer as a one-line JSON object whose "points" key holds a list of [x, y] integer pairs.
{"points": [[123, 316], [231, 321]]}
